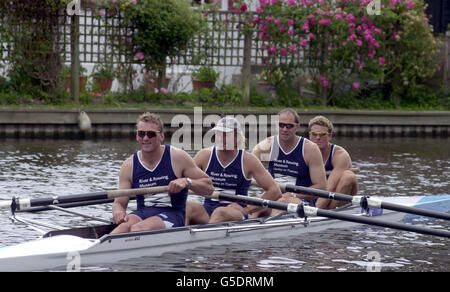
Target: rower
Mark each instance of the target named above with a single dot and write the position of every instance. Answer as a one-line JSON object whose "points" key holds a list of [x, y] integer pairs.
{"points": [[157, 165], [231, 170], [337, 161], [292, 159]]}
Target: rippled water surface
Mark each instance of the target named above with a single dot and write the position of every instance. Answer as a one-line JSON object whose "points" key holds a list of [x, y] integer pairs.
{"points": [[388, 167]]}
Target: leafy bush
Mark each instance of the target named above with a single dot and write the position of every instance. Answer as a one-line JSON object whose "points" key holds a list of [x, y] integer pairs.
{"points": [[162, 29]]}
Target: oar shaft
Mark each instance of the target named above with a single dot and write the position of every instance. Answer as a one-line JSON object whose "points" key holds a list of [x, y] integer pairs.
{"points": [[69, 199], [312, 211], [371, 202], [382, 223]]}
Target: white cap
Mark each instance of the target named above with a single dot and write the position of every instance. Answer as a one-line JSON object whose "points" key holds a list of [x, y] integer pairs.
{"points": [[227, 124]]}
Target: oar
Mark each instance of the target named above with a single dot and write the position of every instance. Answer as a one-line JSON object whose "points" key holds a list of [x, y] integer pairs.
{"points": [[363, 201], [303, 211], [18, 204]]}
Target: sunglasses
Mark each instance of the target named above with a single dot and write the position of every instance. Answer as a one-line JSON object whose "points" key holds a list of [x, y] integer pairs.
{"points": [[287, 126], [318, 134], [150, 134]]}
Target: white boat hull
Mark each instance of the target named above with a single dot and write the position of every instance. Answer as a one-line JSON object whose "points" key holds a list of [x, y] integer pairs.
{"points": [[72, 252]]}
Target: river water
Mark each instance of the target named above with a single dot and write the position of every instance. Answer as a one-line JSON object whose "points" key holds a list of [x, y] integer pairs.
{"points": [[388, 167]]}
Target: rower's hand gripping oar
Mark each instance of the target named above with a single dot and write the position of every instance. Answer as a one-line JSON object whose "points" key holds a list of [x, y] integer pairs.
{"points": [[18, 204], [307, 211]]}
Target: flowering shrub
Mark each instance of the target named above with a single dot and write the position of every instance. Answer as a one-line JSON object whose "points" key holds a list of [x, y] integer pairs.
{"points": [[340, 46]]}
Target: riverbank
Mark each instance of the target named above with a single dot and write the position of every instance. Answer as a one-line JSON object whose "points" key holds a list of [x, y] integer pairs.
{"points": [[115, 123]]}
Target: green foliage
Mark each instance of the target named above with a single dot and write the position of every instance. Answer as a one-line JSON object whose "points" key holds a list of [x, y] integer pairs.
{"points": [[31, 27], [162, 29]]}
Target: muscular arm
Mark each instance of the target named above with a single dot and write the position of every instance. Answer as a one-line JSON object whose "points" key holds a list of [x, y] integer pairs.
{"points": [[341, 162], [313, 158], [184, 166], [254, 168], [125, 182]]}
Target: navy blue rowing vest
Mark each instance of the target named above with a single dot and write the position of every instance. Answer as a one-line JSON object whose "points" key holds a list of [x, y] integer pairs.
{"points": [[161, 175], [289, 167], [227, 178], [328, 164]]}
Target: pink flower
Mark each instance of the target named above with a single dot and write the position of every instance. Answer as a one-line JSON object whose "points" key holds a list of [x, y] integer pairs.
{"points": [[101, 13], [156, 90], [277, 21], [293, 48], [303, 42], [356, 85], [323, 81], [381, 61], [291, 2], [290, 22], [164, 90], [325, 21], [133, 1], [139, 56], [305, 27], [410, 5], [350, 18], [272, 50], [244, 7], [283, 52], [291, 32]]}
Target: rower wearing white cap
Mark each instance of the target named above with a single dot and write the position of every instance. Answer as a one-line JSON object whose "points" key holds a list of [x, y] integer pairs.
{"points": [[231, 169]]}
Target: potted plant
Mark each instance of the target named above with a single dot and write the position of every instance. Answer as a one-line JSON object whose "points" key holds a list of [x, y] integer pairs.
{"points": [[103, 75], [204, 77], [66, 75], [151, 81]]}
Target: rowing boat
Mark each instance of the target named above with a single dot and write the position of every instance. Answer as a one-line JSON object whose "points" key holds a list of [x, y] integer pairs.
{"points": [[82, 247]]}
